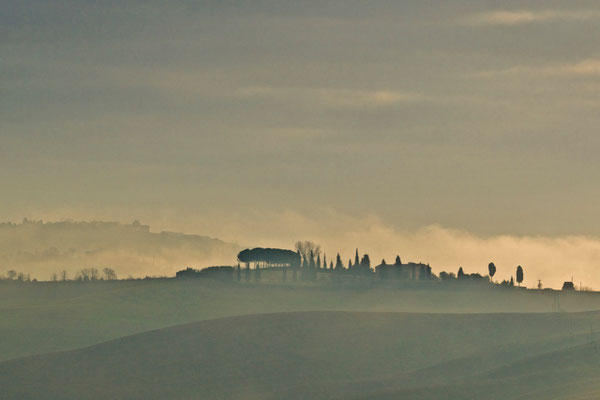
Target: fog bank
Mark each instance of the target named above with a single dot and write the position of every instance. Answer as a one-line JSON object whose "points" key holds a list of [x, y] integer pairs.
{"points": [[134, 249], [40, 249]]}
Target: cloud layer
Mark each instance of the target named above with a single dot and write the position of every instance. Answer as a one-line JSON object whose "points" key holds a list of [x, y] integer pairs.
{"points": [[457, 114], [519, 17], [41, 249], [589, 68]]}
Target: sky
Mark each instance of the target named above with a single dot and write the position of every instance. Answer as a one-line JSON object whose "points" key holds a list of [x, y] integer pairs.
{"points": [[262, 122]]}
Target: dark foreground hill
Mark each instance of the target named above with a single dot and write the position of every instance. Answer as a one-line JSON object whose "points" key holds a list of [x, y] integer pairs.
{"points": [[328, 355]]}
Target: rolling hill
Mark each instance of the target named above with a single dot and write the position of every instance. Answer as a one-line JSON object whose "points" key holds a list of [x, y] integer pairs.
{"points": [[44, 317], [325, 355]]}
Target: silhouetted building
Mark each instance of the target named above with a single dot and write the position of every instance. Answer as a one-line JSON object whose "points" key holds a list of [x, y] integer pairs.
{"points": [[568, 286], [410, 271]]}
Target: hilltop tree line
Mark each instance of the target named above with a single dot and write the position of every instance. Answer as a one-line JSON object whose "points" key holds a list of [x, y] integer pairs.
{"points": [[461, 275], [83, 275], [307, 260]]}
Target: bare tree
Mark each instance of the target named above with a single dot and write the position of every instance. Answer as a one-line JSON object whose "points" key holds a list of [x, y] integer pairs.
{"points": [[23, 277], [54, 277], [12, 274], [110, 274], [63, 275], [88, 274], [83, 275], [306, 247]]}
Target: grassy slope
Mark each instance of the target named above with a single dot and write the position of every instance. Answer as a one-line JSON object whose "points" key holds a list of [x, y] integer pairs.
{"points": [[327, 355], [44, 317], [570, 373]]}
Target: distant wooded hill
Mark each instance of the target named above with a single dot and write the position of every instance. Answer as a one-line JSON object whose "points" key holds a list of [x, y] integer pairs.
{"points": [[42, 248]]}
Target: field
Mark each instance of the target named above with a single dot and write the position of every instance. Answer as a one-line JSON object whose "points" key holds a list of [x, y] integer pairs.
{"points": [[328, 355], [199, 338]]}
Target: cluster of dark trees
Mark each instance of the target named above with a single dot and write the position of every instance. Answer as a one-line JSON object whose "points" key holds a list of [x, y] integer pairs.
{"points": [[86, 275], [226, 273], [306, 261], [461, 275], [83, 275], [93, 274], [17, 276]]}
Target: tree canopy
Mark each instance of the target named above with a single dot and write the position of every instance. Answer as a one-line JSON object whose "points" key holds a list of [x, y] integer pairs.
{"points": [[269, 256]]}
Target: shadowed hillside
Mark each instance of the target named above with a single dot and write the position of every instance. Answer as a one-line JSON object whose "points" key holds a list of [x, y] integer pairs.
{"points": [[42, 317], [327, 355], [40, 249]]}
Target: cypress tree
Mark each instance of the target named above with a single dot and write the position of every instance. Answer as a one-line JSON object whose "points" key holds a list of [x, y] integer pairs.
{"points": [[519, 275], [491, 270], [338, 263]]}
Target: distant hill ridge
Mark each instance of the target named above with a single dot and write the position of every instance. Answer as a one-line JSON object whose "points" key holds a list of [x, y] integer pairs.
{"points": [[40, 248]]}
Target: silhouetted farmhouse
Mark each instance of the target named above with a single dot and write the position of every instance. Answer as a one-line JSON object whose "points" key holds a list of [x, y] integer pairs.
{"points": [[568, 286], [410, 271], [261, 257]]}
